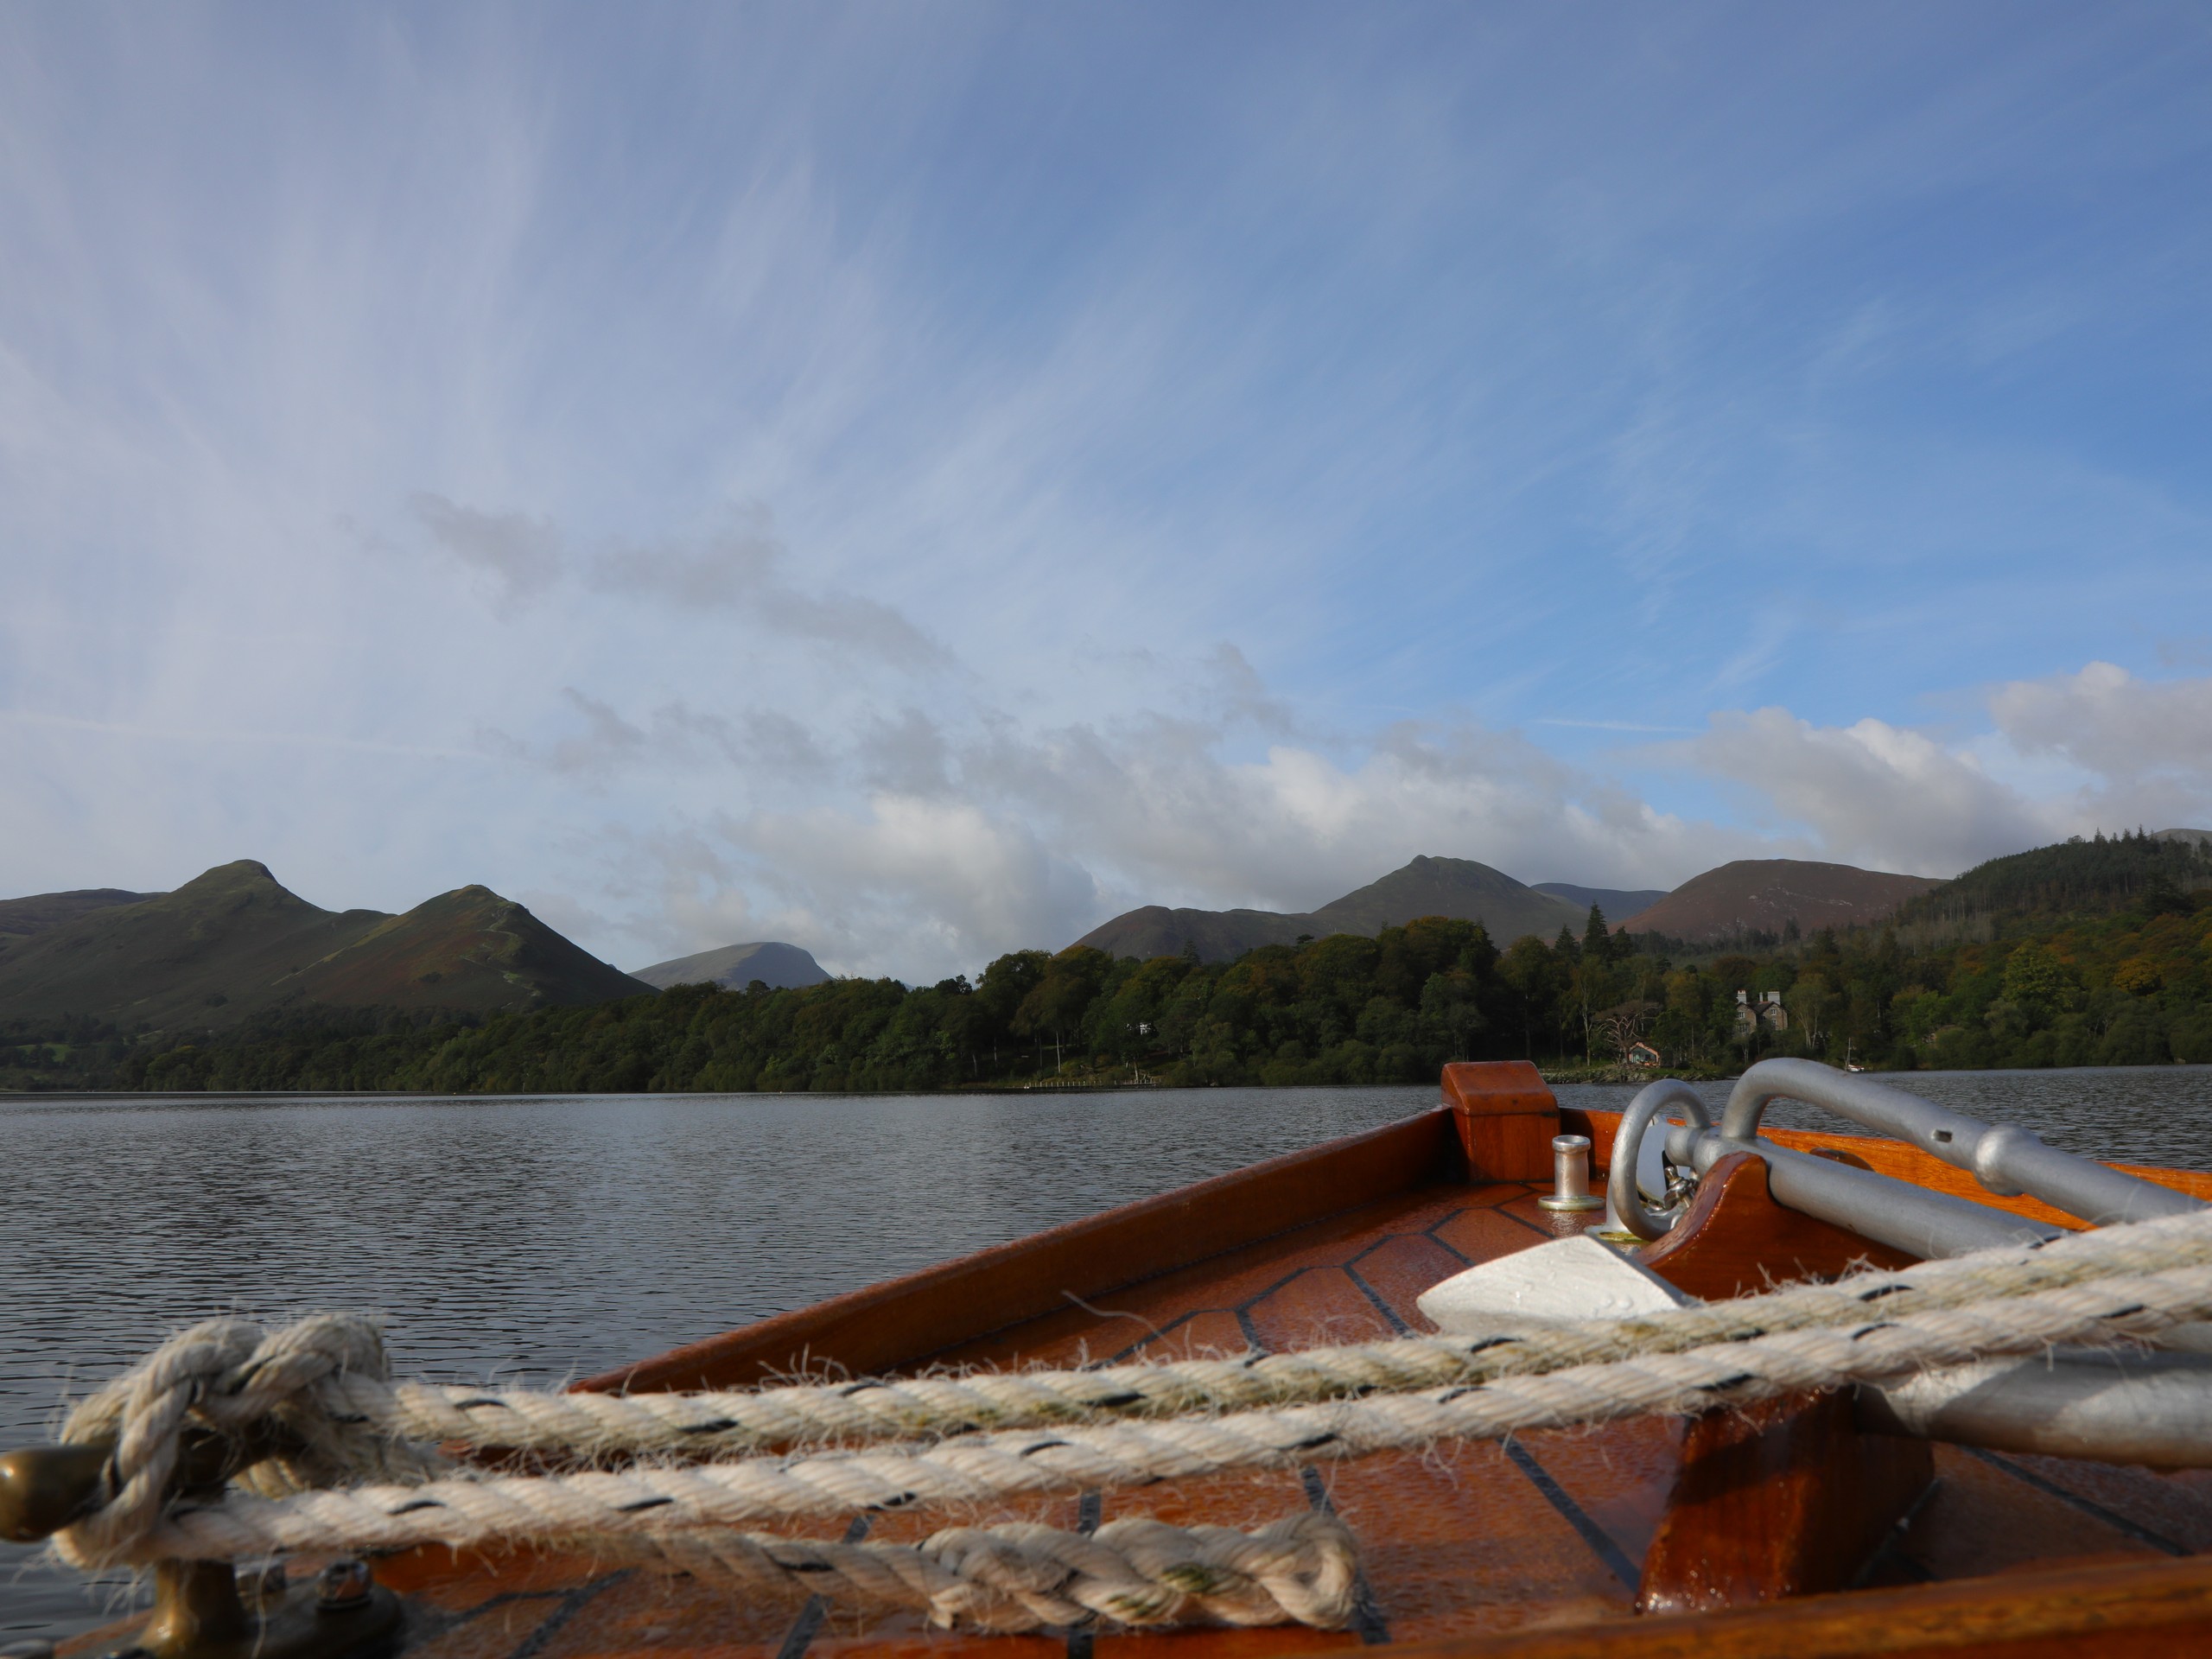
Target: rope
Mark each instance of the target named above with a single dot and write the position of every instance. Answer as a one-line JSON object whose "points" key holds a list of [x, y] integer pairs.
{"points": [[2084, 1289], [324, 1354], [1021, 1577]]}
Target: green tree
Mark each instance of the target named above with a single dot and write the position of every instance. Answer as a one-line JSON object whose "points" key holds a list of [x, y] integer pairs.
{"points": [[1055, 1005], [2037, 981]]}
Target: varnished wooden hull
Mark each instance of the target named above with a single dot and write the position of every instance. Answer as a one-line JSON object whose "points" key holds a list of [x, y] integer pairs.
{"points": [[1535, 1546]]}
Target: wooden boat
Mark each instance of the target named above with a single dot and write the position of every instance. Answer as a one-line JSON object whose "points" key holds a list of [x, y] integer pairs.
{"points": [[1786, 1529]]}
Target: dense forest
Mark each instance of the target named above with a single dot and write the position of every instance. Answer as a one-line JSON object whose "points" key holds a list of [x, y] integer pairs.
{"points": [[2089, 953]]}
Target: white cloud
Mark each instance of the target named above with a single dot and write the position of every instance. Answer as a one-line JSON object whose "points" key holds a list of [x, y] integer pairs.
{"points": [[1872, 793], [2128, 731], [2096, 749], [930, 886], [925, 847]]}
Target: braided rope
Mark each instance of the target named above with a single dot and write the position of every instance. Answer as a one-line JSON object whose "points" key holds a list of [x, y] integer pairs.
{"points": [[2076, 1290], [1021, 1577]]}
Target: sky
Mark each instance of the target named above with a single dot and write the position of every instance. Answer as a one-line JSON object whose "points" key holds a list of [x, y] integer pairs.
{"points": [[916, 479]]}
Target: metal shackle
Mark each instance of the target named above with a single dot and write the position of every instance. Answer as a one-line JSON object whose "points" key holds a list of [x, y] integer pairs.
{"points": [[1667, 1096]]}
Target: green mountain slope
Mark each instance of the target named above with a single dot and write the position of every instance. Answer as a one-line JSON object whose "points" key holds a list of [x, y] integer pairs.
{"points": [[1458, 888], [2072, 878], [468, 950], [20, 918], [234, 944], [228, 944], [1215, 935]]}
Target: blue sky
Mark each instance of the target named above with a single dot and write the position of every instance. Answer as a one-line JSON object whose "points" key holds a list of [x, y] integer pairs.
{"points": [[916, 480]]}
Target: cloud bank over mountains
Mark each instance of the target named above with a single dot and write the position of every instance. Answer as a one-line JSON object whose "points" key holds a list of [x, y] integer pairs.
{"points": [[916, 484], [944, 839]]}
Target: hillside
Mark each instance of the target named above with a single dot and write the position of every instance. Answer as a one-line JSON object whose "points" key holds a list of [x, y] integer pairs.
{"points": [[234, 943], [20, 918], [1215, 935], [1456, 888], [780, 966], [2073, 878], [1617, 905], [1764, 895], [469, 951]]}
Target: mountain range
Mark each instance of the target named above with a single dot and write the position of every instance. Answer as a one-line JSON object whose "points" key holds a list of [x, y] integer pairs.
{"points": [[233, 943], [1749, 895]]}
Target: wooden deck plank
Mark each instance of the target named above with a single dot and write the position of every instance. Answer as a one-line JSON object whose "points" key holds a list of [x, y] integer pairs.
{"points": [[1981, 1519], [2122, 1610], [1458, 1541]]}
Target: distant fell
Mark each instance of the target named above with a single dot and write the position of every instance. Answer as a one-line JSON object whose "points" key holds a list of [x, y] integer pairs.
{"points": [[1617, 904], [1764, 895], [778, 966], [469, 951], [1213, 935], [20, 918], [1451, 887], [233, 943], [1458, 888]]}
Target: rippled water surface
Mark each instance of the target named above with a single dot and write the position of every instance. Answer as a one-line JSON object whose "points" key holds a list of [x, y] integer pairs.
{"points": [[536, 1239]]}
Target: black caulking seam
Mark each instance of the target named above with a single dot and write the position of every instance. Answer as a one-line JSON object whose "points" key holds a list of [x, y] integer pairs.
{"points": [[1367, 1618], [1600, 1542], [808, 1625], [572, 1603], [1380, 1306], [2088, 1506], [1445, 1244], [1089, 1510], [1533, 1226], [1154, 1335]]}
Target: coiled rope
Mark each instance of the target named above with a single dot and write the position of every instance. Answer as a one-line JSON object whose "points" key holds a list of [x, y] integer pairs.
{"points": [[1023, 1433]]}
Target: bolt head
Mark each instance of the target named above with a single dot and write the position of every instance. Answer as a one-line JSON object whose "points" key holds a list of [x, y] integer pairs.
{"points": [[343, 1587]]}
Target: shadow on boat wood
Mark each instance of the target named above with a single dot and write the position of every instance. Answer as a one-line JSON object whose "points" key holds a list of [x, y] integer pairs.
{"points": [[1795, 1393]]}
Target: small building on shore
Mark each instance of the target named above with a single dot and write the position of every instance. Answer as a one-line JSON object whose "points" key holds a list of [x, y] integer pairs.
{"points": [[1765, 1015]]}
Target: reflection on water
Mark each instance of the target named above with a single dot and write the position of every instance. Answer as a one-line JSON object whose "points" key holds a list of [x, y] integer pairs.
{"points": [[543, 1238]]}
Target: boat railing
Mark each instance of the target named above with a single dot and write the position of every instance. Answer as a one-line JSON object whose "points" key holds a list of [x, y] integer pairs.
{"points": [[2008, 1161]]}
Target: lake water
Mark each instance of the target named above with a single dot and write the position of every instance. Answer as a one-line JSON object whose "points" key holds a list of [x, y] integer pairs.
{"points": [[542, 1238]]}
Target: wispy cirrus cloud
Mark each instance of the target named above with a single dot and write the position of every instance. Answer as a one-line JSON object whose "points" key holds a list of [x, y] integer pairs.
{"points": [[740, 571]]}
